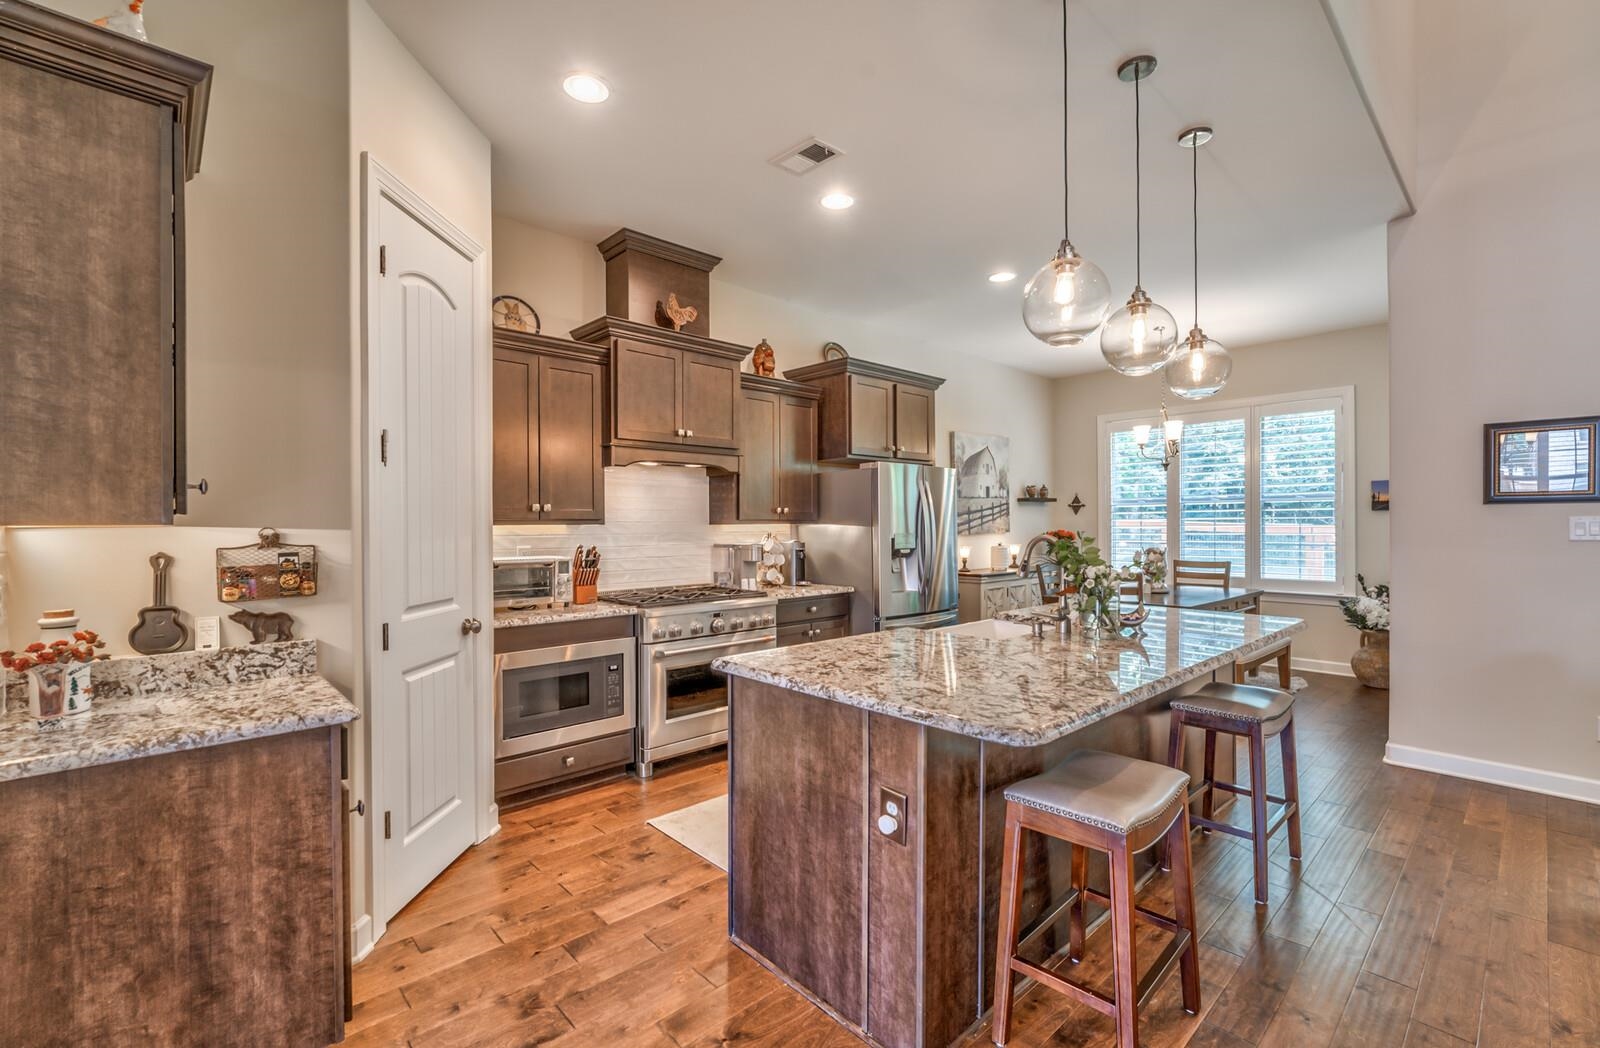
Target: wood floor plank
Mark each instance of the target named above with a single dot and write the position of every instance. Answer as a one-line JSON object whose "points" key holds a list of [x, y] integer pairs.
{"points": [[1408, 922], [1248, 1005], [1451, 987], [1524, 880], [1574, 889], [1372, 882], [1574, 997], [1420, 1035], [1516, 997], [1395, 832], [1376, 1013], [1315, 1001]]}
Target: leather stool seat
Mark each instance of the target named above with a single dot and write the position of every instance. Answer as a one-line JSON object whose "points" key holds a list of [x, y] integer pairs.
{"points": [[1244, 702], [1112, 792]]}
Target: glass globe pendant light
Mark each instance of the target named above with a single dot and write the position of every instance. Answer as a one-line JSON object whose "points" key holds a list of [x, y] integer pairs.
{"points": [[1202, 365], [1141, 337], [1068, 297]]}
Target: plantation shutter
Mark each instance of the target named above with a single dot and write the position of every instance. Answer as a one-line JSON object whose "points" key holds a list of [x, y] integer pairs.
{"points": [[1299, 477], [1211, 496], [1138, 501]]}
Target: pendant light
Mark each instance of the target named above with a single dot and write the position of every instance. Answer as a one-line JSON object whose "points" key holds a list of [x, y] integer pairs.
{"points": [[1202, 365], [1068, 297], [1141, 337]]}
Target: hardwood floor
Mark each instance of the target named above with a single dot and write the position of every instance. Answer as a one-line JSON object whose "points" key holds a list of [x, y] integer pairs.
{"points": [[1428, 912]]}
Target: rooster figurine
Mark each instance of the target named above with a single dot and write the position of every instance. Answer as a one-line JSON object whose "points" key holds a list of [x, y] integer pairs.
{"points": [[673, 315]]}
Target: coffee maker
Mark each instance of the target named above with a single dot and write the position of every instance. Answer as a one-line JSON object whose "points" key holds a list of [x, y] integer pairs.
{"points": [[736, 564]]}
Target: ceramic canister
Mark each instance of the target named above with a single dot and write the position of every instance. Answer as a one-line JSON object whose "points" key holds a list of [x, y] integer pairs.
{"points": [[60, 625]]}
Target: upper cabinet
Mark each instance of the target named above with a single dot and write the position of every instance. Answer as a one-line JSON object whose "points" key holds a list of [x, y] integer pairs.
{"points": [[777, 477], [872, 411], [549, 397], [673, 397], [98, 134]]}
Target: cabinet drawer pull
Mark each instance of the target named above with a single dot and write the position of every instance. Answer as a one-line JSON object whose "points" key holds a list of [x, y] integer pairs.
{"points": [[811, 610]]}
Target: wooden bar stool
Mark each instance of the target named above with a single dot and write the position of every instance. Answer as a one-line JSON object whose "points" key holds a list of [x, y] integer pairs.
{"points": [[1251, 713], [1121, 806]]}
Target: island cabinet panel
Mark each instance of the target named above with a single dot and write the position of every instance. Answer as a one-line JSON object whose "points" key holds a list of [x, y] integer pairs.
{"points": [[549, 399], [872, 412], [777, 437], [192, 898], [98, 135], [797, 822]]}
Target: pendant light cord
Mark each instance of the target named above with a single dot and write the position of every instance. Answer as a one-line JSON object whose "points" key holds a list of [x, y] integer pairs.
{"points": [[1138, 190], [1066, 178], [1195, 148]]}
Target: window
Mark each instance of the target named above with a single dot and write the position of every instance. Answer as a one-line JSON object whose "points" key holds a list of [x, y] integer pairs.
{"points": [[1258, 483]]}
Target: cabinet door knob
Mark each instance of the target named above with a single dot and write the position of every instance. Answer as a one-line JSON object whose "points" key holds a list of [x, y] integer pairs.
{"points": [[547, 507], [471, 626], [688, 432]]}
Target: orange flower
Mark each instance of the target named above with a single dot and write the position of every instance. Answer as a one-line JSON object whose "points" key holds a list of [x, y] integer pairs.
{"points": [[35, 646], [47, 658]]}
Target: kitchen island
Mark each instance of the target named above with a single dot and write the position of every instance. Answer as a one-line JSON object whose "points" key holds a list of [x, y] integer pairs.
{"points": [[866, 780]]}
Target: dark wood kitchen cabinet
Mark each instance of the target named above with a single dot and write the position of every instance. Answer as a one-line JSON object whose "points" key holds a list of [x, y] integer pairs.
{"points": [[777, 478], [673, 397], [872, 412], [549, 397], [98, 134]]}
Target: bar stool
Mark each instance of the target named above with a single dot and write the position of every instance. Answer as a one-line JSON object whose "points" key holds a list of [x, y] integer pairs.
{"points": [[1121, 806], [1252, 713]]}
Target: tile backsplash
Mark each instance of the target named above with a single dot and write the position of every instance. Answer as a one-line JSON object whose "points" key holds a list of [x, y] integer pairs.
{"points": [[657, 531]]}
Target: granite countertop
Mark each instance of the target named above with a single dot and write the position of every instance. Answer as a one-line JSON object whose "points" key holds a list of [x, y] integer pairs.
{"points": [[165, 703], [604, 609], [571, 613], [994, 680], [806, 591]]}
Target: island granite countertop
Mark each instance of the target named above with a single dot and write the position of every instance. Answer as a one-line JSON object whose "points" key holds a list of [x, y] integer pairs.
{"points": [[604, 609], [165, 703], [995, 681]]}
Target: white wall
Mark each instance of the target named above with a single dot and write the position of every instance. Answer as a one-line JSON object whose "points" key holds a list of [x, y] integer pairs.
{"points": [[1491, 289], [1357, 357], [564, 279], [1379, 37]]}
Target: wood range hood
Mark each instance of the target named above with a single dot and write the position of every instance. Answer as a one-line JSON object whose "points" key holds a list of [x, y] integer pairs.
{"points": [[672, 394]]}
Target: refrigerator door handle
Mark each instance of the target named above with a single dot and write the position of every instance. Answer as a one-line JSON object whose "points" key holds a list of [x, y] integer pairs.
{"points": [[926, 538]]}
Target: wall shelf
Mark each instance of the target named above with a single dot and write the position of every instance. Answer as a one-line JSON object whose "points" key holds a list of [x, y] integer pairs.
{"points": [[1051, 499]]}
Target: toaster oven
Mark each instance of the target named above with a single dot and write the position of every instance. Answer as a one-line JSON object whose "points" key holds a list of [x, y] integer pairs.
{"points": [[531, 582]]}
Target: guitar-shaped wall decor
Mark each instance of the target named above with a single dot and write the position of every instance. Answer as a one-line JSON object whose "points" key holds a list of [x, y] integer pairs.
{"points": [[160, 628]]}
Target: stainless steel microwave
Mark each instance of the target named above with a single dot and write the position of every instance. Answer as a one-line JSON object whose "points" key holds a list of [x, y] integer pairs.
{"points": [[531, 581], [558, 696]]}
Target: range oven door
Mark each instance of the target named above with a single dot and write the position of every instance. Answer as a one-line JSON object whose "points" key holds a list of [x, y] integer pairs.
{"points": [[557, 696], [687, 699]]}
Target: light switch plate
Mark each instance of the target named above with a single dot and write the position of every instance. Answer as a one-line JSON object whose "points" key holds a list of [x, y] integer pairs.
{"points": [[1583, 529]]}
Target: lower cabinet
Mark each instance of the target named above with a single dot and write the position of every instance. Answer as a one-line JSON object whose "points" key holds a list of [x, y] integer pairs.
{"points": [[802, 620], [983, 595]]}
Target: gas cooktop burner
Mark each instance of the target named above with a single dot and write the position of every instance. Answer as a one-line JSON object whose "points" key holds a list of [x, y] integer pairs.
{"points": [[666, 596]]}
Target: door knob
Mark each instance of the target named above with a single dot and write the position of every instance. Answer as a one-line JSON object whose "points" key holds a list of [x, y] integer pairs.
{"points": [[471, 626], [202, 487]]}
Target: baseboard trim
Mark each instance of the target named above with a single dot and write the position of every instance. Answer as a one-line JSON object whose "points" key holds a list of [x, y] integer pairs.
{"points": [[1550, 783], [361, 941], [1328, 666]]}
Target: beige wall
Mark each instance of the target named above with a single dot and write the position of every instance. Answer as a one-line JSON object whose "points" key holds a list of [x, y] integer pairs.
{"points": [[1491, 285], [1358, 357], [564, 279]]}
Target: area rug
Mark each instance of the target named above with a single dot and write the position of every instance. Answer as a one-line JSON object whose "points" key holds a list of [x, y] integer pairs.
{"points": [[702, 828], [1270, 680]]}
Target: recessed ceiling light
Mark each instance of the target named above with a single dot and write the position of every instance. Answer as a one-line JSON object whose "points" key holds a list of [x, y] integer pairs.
{"points": [[586, 87], [1002, 276], [837, 201]]}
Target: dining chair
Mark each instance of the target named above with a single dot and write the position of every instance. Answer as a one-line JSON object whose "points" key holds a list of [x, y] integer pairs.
{"points": [[1203, 573]]}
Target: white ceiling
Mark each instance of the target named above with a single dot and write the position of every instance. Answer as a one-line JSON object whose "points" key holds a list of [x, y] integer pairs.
{"points": [[948, 114]]}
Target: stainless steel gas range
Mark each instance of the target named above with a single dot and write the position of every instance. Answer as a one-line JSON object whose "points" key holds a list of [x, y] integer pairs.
{"points": [[683, 703]]}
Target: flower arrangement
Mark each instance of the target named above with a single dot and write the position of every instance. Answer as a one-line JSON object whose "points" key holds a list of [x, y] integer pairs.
{"points": [[81, 648], [1099, 594], [1370, 611], [1074, 552], [1153, 562]]}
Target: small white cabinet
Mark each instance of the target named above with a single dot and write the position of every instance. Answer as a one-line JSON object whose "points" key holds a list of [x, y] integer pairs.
{"points": [[985, 594]]}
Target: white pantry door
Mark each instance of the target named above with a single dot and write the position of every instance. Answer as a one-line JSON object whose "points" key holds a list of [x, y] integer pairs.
{"points": [[423, 683]]}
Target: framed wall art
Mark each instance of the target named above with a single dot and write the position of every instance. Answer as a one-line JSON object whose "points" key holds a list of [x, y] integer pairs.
{"points": [[1549, 460]]}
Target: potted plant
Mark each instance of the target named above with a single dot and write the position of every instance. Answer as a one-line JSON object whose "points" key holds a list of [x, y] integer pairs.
{"points": [[1153, 562], [1369, 613]]}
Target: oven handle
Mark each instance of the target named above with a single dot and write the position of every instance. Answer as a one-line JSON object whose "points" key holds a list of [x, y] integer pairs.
{"points": [[716, 647]]}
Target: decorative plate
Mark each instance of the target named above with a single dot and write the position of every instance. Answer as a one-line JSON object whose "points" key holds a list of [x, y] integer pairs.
{"points": [[513, 314]]}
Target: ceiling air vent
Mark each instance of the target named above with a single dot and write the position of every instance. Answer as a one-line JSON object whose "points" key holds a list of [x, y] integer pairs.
{"points": [[807, 156]]}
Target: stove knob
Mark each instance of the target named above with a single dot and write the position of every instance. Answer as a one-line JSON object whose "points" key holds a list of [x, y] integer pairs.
{"points": [[738, 624], [720, 625], [696, 628], [674, 631], [657, 633], [767, 620]]}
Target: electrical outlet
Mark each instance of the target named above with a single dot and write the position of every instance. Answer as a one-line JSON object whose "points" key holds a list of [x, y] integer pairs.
{"points": [[893, 814]]}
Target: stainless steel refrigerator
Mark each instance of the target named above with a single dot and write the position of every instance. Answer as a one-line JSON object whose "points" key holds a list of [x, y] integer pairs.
{"points": [[889, 530]]}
